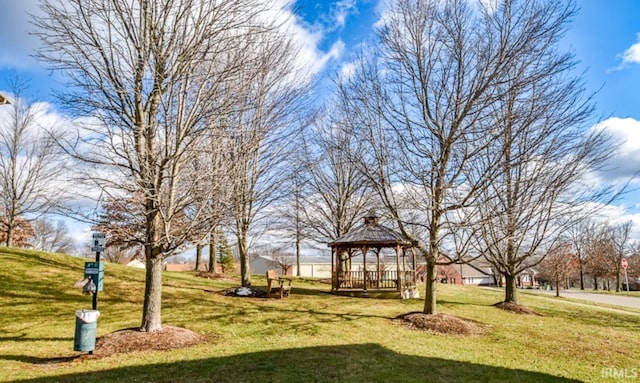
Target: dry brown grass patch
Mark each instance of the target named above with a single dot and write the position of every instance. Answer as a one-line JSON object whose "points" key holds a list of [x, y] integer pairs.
{"points": [[208, 275], [442, 324]]}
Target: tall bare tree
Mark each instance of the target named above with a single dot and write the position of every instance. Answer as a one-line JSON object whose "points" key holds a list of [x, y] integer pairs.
{"points": [[559, 265], [578, 235], [260, 129], [147, 74], [600, 256], [424, 100], [52, 237], [30, 166], [333, 193], [541, 148], [210, 172], [620, 237]]}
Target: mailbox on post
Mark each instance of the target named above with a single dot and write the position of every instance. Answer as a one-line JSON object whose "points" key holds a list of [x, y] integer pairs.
{"points": [[95, 271]]}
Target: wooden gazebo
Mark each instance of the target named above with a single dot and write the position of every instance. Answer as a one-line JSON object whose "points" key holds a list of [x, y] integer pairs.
{"points": [[368, 274]]}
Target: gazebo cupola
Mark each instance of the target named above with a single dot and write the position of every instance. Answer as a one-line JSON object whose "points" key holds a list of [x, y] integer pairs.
{"points": [[354, 270]]}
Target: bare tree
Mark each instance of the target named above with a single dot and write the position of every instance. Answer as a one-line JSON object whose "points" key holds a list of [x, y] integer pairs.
{"points": [[540, 148], [426, 102], [622, 246], [209, 171], [260, 130], [290, 224], [147, 74], [578, 235], [30, 166], [52, 237], [338, 194], [559, 265], [326, 193], [600, 255]]}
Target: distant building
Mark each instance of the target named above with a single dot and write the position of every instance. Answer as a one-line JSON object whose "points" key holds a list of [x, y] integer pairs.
{"points": [[315, 267], [138, 264], [474, 272]]}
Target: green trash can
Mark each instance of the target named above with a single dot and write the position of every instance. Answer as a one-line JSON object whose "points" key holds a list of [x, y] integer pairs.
{"points": [[86, 326]]}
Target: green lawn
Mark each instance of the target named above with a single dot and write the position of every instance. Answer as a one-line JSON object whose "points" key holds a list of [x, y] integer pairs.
{"points": [[310, 337]]}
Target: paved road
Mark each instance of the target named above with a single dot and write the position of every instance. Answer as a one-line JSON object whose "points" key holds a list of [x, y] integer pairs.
{"points": [[633, 302], [620, 300]]}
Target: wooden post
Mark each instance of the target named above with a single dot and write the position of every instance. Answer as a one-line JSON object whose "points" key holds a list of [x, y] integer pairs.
{"points": [[398, 278], [378, 271], [334, 271], [364, 261], [415, 278]]}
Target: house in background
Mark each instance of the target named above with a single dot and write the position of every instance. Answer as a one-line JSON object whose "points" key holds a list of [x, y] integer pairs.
{"points": [[528, 278], [474, 272], [315, 267]]}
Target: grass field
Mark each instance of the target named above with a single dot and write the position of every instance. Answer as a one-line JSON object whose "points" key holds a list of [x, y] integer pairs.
{"points": [[312, 336]]}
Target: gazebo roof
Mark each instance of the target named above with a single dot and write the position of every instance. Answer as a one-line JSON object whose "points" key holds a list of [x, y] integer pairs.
{"points": [[371, 234]]}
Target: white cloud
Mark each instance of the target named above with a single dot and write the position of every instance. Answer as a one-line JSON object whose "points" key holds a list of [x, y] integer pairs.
{"points": [[347, 70], [307, 38], [632, 54], [617, 215], [342, 10], [625, 161]]}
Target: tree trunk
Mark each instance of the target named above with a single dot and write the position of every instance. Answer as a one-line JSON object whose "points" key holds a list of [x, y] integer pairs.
{"points": [[618, 283], [198, 255], [151, 312], [10, 231], [511, 292], [431, 276], [298, 253], [581, 277], [243, 252], [558, 287], [213, 246]]}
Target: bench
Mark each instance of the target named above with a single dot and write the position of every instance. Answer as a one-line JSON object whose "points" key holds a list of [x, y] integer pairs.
{"points": [[275, 284]]}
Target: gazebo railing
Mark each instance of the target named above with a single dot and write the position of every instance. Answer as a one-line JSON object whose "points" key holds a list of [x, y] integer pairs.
{"points": [[375, 279]]}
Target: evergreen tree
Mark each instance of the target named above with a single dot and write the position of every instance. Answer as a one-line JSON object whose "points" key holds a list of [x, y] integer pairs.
{"points": [[225, 255]]}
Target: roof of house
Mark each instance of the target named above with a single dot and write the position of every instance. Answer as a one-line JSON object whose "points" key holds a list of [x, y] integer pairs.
{"points": [[371, 233], [472, 271]]}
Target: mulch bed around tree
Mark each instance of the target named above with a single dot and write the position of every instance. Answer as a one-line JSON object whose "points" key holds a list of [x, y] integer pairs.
{"points": [[134, 340], [441, 324], [515, 308]]}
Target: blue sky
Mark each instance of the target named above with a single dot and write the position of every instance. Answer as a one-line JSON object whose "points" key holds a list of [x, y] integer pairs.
{"points": [[605, 37]]}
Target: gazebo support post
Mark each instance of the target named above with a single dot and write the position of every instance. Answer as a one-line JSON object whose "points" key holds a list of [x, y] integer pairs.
{"points": [[413, 259], [334, 270], [364, 263], [398, 272], [378, 271]]}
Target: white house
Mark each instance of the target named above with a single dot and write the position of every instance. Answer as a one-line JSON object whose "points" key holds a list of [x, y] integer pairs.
{"points": [[317, 267]]}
